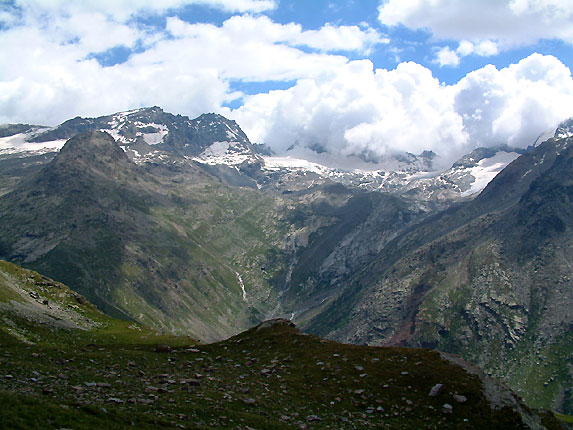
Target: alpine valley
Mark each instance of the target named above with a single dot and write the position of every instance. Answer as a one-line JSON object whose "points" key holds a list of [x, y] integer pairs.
{"points": [[185, 227]]}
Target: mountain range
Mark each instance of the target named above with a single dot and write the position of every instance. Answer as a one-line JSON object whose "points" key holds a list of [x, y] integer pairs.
{"points": [[187, 227]]}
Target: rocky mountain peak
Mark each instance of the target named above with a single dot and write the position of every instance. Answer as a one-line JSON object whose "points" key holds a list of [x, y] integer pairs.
{"points": [[565, 129], [92, 144]]}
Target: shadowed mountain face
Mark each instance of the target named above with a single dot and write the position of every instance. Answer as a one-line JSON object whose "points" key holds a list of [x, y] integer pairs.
{"points": [[490, 279], [150, 228], [171, 246]]}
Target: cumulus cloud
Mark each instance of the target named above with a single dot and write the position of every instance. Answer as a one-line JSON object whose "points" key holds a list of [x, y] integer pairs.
{"points": [[509, 23], [58, 77], [373, 113], [446, 57], [327, 38]]}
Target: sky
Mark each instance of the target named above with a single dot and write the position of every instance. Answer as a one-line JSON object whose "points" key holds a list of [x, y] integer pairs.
{"points": [[365, 78]]}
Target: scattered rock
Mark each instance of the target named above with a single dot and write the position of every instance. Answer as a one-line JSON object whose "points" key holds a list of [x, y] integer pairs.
{"points": [[313, 418], [250, 401], [436, 389], [115, 400], [460, 399], [275, 322], [447, 408], [163, 348]]}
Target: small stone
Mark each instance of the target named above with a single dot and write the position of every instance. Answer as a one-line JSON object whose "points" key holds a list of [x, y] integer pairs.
{"points": [[370, 410], [447, 408], [403, 373], [359, 368], [436, 389], [115, 400], [460, 399], [313, 418], [9, 376], [380, 409], [250, 401], [90, 384], [163, 348]]}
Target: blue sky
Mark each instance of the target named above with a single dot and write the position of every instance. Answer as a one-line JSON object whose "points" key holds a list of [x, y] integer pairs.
{"points": [[353, 76]]}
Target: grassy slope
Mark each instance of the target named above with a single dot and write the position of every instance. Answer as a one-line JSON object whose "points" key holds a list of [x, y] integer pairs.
{"points": [[114, 375]]}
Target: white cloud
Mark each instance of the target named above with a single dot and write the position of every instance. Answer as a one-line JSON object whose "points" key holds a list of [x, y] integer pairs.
{"points": [[58, 78], [515, 104], [358, 112], [446, 57], [248, 28], [486, 48], [375, 112], [509, 23]]}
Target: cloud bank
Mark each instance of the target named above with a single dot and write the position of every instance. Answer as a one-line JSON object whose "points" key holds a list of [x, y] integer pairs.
{"points": [[373, 113]]}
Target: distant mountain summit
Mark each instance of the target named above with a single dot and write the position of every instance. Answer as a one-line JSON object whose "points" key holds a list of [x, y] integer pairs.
{"points": [[152, 135], [149, 132]]}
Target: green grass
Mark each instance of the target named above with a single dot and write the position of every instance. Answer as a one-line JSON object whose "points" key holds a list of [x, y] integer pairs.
{"points": [[290, 376], [565, 418], [117, 374]]}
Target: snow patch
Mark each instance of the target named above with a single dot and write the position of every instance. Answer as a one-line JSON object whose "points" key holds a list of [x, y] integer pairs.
{"points": [[487, 169], [18, 143], [289, 163]]}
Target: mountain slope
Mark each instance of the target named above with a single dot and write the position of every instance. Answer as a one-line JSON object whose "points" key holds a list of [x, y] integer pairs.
{"points": [[489, 279], [132, 238], [66, 364]]}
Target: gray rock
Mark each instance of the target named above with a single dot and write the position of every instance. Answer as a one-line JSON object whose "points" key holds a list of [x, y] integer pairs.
{"points": [[447, 408], [460, 399], [436, 389]]}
